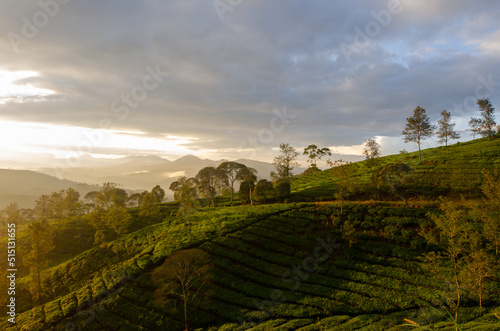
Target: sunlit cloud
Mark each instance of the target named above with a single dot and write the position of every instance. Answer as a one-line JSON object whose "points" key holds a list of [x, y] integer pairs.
{"points": [[15, 85]]}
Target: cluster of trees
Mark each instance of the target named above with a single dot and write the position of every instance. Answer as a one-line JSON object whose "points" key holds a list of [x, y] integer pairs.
{"points": [[418, 126], [105, 210]]}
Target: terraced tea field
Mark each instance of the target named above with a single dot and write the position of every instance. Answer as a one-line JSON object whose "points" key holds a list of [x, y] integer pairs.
{"points": [[285, 267]]}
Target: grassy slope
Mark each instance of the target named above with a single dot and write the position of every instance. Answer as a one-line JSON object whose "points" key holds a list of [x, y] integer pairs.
{"points": [[451, 170], [372, 286]]}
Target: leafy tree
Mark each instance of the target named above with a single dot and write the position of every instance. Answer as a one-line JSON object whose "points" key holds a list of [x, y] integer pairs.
{"points": [[97, 220], [158, 193], [371, 151], [392, 176], [185, 275], [104, 197], [231, 170], [56, 204], [418, 127], [263, 191], [185, 193], [12, 213], [349, 233], [445, 128], [118, 219], [475, 126], [71, 203], [479, 269], [282, 190], [43, 208], [453, 236], [285, 162], [149, 207], [134, 200], [315, 154], [91, 199], [110, 196], [344, 171], [488, 123], [248, 177], [211, 181], [119, 197], [41, 239]]}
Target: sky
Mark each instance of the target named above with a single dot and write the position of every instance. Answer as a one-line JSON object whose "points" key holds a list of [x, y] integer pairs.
{"points": [[232, 79]]}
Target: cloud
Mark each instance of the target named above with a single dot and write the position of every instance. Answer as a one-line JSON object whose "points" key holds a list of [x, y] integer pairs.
{"points": [[225, 78]]}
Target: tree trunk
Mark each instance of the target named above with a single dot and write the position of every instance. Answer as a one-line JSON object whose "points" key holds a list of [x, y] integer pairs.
{"points": [[184, 297]]}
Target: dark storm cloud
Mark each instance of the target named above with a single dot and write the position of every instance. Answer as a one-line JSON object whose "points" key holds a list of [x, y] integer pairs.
{"points": [[226, 77]]}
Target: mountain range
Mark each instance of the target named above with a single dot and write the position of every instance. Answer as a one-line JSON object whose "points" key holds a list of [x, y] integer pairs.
{"points": [[137, 173]]}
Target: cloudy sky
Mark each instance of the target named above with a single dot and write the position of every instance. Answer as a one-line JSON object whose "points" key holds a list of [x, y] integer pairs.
{"points": [[235, 78]]}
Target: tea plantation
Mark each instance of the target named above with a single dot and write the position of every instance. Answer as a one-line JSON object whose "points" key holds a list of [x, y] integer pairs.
{"points": [[301, 265]]}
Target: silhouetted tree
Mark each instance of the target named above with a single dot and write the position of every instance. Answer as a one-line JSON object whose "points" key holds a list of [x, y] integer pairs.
{"points": [[231, 170], [210, 182], [185, 274]]}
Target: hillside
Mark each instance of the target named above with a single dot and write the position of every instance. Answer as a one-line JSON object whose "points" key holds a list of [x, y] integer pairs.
{"points": [[443, 171], [26, 186], [293, 266]]}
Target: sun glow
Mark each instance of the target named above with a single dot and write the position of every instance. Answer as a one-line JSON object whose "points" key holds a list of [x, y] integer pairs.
{"points": [[61, 141], [15, 85]]}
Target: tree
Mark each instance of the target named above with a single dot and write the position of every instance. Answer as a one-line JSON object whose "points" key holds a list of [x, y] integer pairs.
{"points": [[42, 208], [248, 177], [158, 194], [285, 162], [71, 203], [315, 154], [134, 200], [344, 172], [371, 151], [211, 181], [263, 191], [417, 128], [118, 219], [12, 213], [445, 128], [453, 236], [231, 170], [488, 123], [41, 239], [475, 126], [185, 274], [110, 195], [91, 199], [149, 207], [185, 193]]}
